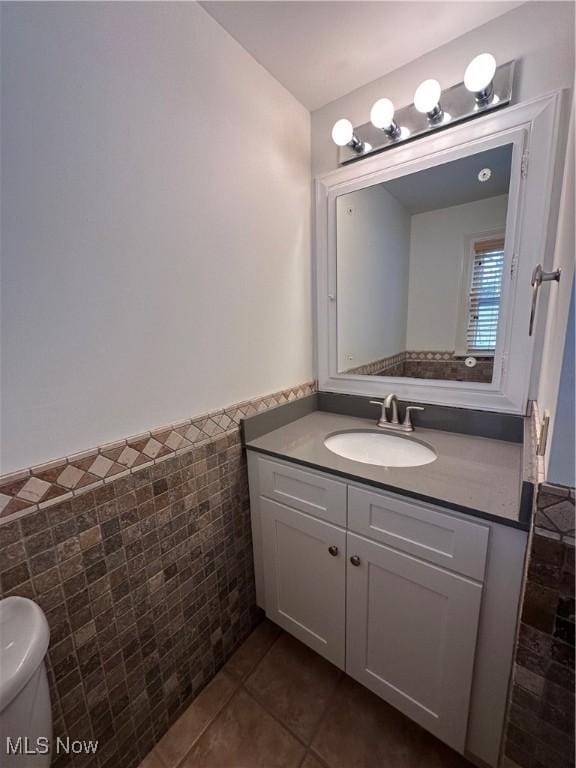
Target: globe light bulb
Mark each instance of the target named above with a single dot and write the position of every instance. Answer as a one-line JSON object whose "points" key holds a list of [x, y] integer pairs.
{"points": [[427, 96], [342, 132], [480, 72], [382, 114]]}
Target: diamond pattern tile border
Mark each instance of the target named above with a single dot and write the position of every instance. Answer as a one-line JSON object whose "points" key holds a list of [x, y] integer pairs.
{"points": [[46, 484], [555, 513]]}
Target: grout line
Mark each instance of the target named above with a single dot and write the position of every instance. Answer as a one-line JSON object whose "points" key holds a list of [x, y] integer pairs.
{"points": [[266, 652], [276, 718], [301, 763], [211, 720], [306, 744], [326, 710], [320, 760], [158, 756]]}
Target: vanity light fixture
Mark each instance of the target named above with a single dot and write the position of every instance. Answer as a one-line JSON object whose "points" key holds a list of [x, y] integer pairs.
{"points": [[479, 77], [427, 100], [486, 87], [382, 116], [343, 136]]}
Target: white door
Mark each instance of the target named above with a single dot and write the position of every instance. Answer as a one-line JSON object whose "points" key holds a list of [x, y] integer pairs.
{"points": [[305, 578], [411, 635]]}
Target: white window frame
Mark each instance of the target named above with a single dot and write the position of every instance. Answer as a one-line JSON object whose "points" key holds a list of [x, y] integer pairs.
{"points": [[460, 346], [532, 127]]}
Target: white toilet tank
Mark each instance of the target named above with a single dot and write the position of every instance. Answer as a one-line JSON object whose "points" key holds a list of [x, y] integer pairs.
{"points": [[25, 711]]}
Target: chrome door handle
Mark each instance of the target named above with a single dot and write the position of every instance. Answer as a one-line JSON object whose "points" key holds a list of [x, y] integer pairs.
{"points": [[539, 277]]}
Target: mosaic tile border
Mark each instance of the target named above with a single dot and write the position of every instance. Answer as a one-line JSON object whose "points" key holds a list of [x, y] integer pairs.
{"points": [[444, 356], [376, 367], [46, 484], [555, 513]]}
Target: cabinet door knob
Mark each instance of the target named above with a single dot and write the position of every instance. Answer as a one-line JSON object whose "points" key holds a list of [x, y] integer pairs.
{"points": [[355, 560], [333, 550]]}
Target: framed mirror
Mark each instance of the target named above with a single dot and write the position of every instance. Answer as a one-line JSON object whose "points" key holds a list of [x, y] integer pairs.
{"points": [[424, 257], [420, 263]]}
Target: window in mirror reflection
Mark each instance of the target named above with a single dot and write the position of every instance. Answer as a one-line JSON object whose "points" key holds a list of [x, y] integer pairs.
{"points": [[420, 261]]}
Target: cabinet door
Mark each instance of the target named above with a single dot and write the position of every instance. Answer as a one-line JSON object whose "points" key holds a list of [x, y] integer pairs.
{"points": [[411, 635], [305, 577]]}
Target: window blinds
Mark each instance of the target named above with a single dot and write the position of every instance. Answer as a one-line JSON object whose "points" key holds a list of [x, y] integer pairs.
{"points": [[484, 295]]}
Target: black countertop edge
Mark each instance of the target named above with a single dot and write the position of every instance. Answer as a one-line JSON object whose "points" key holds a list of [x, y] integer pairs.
{"points": [[496, 426], [523, 523]]}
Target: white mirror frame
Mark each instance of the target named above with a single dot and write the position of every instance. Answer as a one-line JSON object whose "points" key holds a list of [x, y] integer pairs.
{"points": [[532, 128]]}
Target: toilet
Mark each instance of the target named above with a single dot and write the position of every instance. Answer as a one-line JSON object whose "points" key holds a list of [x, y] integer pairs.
{"points": [[25, 711]]}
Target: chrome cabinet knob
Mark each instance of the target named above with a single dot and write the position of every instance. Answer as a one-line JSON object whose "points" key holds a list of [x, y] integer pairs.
{"points": [[333, 550], [355, 560]]}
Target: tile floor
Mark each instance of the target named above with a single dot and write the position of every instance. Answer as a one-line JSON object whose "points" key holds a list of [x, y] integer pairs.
{"points": [[277, 704]]}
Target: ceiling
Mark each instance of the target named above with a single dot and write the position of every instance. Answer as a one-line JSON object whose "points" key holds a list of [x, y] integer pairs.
{"points": [[454, 183], [322, 50]]}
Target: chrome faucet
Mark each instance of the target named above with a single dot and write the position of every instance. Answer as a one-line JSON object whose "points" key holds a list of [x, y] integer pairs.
{"points": [[394, 424]]}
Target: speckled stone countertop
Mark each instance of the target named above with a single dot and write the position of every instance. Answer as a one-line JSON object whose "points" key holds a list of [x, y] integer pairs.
{"points": [[475, 475]]}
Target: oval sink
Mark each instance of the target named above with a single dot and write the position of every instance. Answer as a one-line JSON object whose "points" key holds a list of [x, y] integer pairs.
{"points": [[380, 448]]}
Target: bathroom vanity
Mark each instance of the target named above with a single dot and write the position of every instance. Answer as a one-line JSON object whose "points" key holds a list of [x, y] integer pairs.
{"points": [[407, 578]]}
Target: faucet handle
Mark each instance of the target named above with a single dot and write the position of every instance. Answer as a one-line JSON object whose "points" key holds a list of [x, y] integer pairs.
{"points": [[383, 416], [407, 420]]}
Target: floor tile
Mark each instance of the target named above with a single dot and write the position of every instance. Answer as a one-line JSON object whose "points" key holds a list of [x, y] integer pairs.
{"points": [[360, 730], [311, 762], [253, 649], [294, 684], [244, 735], [186, 730], [152, 760]]}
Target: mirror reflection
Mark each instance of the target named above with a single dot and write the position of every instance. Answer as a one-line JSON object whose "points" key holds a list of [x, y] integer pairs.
{"points": [[420, 260]]}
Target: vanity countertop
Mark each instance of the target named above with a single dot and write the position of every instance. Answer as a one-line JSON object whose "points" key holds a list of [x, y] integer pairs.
{"points": [[474, 475]]}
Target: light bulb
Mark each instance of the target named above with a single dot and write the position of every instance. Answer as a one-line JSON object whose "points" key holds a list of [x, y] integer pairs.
{"points": [[342, 132], [427, 96], [382, 113], [480, 72]]}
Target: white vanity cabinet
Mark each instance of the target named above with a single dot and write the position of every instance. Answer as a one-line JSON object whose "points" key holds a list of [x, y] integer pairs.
{"points": [[415, 602]]}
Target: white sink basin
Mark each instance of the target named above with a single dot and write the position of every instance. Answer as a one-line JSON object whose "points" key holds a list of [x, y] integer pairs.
{"points": [[380, 448]]}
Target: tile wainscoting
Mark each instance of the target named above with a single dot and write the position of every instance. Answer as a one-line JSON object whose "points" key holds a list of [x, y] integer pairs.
{"points": [[146, 578], [541, 716]]}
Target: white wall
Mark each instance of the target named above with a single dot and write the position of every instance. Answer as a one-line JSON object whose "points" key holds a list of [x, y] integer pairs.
{"points": [[373, 243], [438, 246], [539, 35], [155, 208]]}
